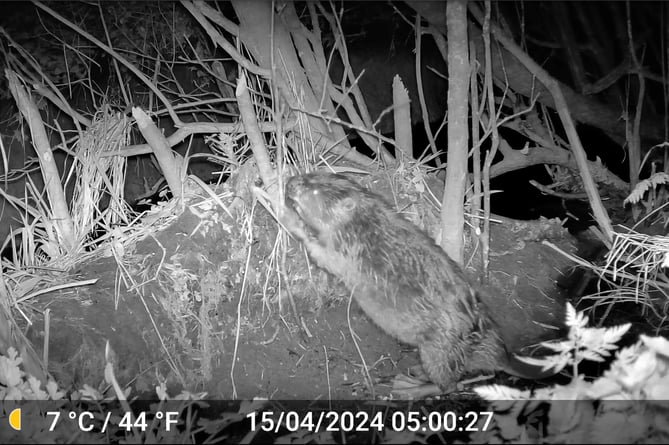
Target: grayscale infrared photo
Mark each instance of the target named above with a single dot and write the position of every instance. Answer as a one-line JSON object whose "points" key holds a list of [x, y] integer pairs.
{"points": [[327, 221]]}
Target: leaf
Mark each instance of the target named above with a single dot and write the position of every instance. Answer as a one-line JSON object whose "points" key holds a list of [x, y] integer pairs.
{"points": [[575, 319], [575, 390], [613, 334], [565, 416], [90, 393], [659, 345], [661, 423], [161, 391], [501, 392], [555, 362], [617, 427], [248, 406], [10, 374], [38, 393], [658, 390], [628, 355], [509, 428], [52, 390], [643, 186], [603, 388], [599, 341]]}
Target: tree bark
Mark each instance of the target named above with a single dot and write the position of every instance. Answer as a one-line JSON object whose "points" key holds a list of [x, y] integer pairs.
{"points": [[452, 211]]}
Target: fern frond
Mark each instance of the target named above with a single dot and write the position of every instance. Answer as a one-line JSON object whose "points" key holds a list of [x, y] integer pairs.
{"points": [[501, 393], [575, 319], [643, 186]]}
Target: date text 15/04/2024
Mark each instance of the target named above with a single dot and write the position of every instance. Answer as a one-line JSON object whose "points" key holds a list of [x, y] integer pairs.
{"points": [[349, 421]]}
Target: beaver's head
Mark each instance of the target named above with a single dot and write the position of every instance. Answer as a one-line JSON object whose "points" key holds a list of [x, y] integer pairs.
{"points": [[324, 201]]}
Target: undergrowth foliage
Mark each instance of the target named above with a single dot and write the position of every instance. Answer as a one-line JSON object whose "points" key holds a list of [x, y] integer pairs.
{"points": [[582, 343], [626, 404], [647, 184], [650, 195]]}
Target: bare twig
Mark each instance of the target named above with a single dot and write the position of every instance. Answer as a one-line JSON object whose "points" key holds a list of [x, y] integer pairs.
{"points": [[490, 155], [549, 191], [421, 95], [600, 213], [633, 134], [116, 56]]}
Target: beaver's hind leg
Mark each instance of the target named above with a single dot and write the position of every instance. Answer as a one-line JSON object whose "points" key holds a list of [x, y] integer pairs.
{"points": [[447, 358], [443, 362], [442, 367]]}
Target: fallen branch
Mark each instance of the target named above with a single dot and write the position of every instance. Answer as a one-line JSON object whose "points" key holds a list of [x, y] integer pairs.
{"points": [[170, 162], [549, 191], [60, 213]]}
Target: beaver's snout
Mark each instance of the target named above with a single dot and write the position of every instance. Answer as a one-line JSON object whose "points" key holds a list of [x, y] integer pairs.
{"points": [[292, 204], [293, 188]]}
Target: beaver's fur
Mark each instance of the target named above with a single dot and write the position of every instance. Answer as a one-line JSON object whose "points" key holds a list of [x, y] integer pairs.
{"points": [[400, 278]]}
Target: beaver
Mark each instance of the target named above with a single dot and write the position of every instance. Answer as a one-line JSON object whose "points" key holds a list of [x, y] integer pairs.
{"points": [[400, 278]]}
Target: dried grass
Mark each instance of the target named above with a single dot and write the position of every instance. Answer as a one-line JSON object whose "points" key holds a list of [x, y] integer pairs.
{"points": [[634, 272]]}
